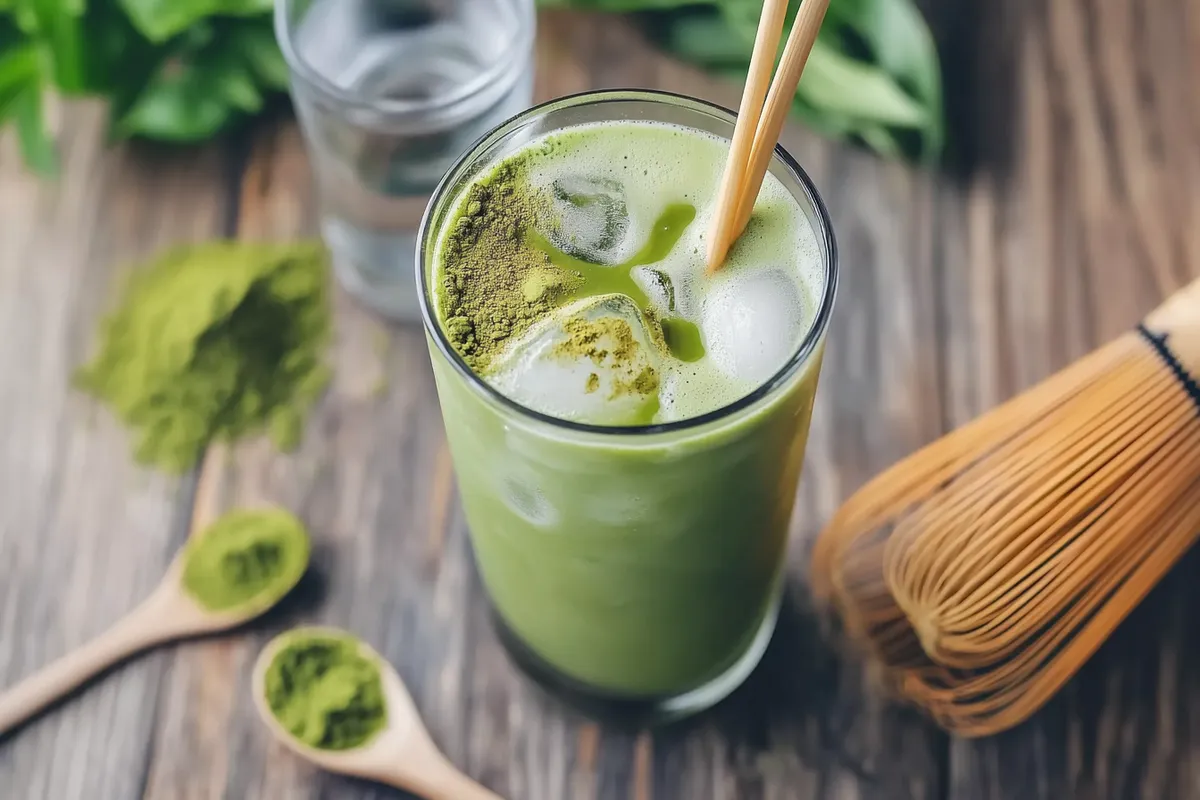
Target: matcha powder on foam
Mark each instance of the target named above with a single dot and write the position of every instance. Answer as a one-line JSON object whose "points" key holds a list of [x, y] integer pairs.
{"points": [[215, 341], [484, 307]]}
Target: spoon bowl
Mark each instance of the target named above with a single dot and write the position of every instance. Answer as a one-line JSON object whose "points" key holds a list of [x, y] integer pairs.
{"points": [[168, 614], [401, 754]]}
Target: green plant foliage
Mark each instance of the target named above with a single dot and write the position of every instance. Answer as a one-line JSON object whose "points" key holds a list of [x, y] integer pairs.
{"points": [[186, 70]]}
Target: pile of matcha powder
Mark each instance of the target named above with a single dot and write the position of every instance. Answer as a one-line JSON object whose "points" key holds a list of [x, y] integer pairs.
{"points": [[213, 342], [324, 691], [484, 306], [246, 560]]}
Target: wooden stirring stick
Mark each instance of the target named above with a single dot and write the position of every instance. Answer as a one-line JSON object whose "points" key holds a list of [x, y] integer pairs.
{"points": [[762, 61], [743, 178], [779, 101]]}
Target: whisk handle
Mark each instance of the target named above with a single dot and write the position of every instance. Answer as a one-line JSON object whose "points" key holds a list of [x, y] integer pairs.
{"points": [[1178, 321]]}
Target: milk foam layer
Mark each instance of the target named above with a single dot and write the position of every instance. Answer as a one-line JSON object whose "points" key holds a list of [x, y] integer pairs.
{"points": [[752, 314]]}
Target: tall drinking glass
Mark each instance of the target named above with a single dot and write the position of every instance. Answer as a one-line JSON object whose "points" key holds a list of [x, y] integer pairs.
{"points": [[389, 93], [637, 567]]}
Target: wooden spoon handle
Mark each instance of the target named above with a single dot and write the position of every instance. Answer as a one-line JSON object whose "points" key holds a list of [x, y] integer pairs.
{"points": [[135, 632], [435, 778]]}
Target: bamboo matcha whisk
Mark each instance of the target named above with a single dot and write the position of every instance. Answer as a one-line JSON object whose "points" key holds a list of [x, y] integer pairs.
{"points": [[982, 571]]}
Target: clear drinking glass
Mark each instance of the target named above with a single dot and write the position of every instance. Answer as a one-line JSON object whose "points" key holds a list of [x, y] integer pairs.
{"points": [[389, 93], [634, 570]]}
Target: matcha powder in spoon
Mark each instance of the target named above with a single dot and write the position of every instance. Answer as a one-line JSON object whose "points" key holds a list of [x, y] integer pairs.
{"points": [[324, 691], [214, 342], [245, 561]]}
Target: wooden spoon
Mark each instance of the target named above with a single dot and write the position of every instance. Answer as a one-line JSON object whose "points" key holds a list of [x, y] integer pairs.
{"points": [[401, 755], [169, 613]]}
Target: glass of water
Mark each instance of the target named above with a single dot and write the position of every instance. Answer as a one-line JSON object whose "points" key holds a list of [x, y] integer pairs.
{"points": [[389, 94]]}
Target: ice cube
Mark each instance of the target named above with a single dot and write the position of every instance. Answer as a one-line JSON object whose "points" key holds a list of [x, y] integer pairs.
{"points": [[592, 362], [525, 498], [752, 322], [589, 219], [658, 287]]}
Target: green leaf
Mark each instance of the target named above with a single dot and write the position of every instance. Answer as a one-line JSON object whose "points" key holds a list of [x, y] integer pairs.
{"points": [[119, 61], [742, 17], [233, 80], [37, 148], [41, 16], [824, 122], [159, 20], [836, 83], [709, 40], [897, 35], [255, 40], [178, 108], [57, 28], [66, 44], [881, 140], [18, 67], [903, 46], [195, 93], [846, 93], [177, 105], [25, 14]]}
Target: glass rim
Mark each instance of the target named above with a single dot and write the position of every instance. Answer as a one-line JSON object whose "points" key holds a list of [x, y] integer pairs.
{"points": [[803, 352], [299, 66]]}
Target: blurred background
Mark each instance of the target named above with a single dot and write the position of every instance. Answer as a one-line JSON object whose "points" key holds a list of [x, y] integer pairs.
{"points": [[1012, 182]]}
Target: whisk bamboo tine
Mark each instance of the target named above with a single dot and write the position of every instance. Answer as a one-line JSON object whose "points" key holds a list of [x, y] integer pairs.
{"points": [[887, 494], [1072, 513], [985, 704], [1041, 508], [981, 572], [929, 604]]}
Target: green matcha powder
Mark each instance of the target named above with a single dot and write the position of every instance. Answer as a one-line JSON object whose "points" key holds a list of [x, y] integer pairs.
{"points": [[500, 275], [215, 341], [484, 306], [585, 338], [246, 560], [325, 692]]}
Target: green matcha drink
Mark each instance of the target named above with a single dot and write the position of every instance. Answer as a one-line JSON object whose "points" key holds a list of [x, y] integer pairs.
{"points": [[626, 431]]}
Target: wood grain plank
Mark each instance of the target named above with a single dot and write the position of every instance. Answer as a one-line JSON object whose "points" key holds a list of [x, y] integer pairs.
{"points": [[84, 534], [1088, 225]]}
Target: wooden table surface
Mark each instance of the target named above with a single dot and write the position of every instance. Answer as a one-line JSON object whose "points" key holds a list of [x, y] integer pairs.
{"points": [[1072, 206]]}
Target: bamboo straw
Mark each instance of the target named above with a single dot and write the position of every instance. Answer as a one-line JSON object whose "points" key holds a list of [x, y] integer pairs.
{"points": [[758, 80], [758, 128], [779, 102]]}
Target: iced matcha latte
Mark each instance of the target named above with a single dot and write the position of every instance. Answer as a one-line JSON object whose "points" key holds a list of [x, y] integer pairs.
{"points": [[626, 431]]}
